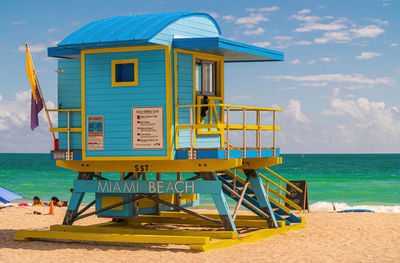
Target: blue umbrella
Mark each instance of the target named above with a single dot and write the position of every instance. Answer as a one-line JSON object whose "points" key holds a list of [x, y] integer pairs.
{"points": [[7, 196]]}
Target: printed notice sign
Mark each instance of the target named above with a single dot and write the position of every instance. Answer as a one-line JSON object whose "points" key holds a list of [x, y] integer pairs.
{"points": [[147, 128], [95, 133]]}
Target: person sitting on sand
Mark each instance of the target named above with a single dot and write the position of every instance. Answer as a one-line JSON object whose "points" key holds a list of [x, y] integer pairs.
{"points": [[58, 203], [37, 201]]}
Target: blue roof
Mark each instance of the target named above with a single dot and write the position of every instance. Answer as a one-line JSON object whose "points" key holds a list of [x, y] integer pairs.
{"points": [[134, 28], [232, 51]]}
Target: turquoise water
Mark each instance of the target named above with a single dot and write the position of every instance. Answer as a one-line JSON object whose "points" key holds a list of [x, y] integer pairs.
{"points": [[354, 179]]}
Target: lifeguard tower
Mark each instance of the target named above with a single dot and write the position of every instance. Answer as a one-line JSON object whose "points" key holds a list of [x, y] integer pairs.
{"points": [[143, 96]]}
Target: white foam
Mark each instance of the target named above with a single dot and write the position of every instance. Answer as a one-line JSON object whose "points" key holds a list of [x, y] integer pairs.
{"points": [[329, 207]]}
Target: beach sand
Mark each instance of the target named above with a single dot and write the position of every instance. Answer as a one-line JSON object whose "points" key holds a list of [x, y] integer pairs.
{"points": [[328, 237]]}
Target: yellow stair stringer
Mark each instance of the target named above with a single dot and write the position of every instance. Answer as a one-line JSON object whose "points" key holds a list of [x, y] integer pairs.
{"points": [[250, 237], [271, 199]]}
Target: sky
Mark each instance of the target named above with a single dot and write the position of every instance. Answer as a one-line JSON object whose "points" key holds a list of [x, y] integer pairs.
{"points": [[338, 85]]}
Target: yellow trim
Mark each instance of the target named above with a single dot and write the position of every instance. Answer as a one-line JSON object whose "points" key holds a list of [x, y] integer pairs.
{"points": [[114, 229], [110, 200], [168, 102], [83, 102], [65, 129], [145, 165], [63, 109], [126, 83], [122, 49]]}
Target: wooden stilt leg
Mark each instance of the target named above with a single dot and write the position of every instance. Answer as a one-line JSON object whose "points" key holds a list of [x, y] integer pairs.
{"points": [[178, 196], [220, 203], [261, 195], [158, 205], [135, 203], [73, 207]]}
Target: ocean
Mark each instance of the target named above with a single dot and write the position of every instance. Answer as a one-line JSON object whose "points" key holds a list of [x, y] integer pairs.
{"points": [[340, 180]]}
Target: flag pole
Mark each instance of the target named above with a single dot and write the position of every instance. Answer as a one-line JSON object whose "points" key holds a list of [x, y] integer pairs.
{"points": [[43, 101]]}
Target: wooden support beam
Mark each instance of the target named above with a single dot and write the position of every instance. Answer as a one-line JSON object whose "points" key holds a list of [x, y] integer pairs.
{"points": [[182, 209], [141, 231], [124, 238]]}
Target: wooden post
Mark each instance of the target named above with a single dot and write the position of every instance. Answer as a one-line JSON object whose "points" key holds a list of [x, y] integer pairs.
{"points": [[227, 133], [258, 139], [135, 203], [178, 197], [274, 134], [158, 205], [121, 176], [191, 133], [244, 133], [68, 137], [280, 191], [240, 199]]}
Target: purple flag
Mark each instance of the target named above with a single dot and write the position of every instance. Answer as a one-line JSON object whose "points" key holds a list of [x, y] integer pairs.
{"points": [[35, 109]]}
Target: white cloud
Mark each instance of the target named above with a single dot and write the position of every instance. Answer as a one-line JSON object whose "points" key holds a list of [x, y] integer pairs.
{"points": [[371, 120], [53, 29], [295, 61], [240, 97], [75, 23], [1, 97], [327, 59], [262, 44], [252, 19], [213, 14], [229, 18], [381, 22], [294, 114], [37, 48], [314, 84], [19, 22], [394, 45], [257, 31], [335, 78], [371, 31], [368, 55], [340, 30], [302, 43], [263, 9], [311, 61]]}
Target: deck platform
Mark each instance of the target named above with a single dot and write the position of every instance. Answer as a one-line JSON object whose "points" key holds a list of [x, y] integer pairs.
{"points": [[200, 236]]}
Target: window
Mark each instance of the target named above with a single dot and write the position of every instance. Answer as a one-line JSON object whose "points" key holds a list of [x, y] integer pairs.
{"points": [[124, 72], [206, 77]]}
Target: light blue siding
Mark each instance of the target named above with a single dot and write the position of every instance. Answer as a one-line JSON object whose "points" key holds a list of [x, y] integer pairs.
{"points": [[192, 26], [69, 94], [185, 97], [115, 103]]}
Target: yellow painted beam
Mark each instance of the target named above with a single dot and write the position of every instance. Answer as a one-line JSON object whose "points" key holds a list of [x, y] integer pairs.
{"points": [[248, 237], [199, 165], [283, 179], [272, 200], [194, 221], [141, 231], [65, 129], [258, 163], [124, 238], [60, 110], [214, 216]]}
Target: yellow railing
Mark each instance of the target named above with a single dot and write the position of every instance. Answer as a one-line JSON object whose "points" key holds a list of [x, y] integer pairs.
{"points": [[222, 125], [68, 129]]}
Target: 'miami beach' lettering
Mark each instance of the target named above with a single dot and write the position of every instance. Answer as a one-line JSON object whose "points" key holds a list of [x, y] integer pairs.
{"points": [[145, 186]]}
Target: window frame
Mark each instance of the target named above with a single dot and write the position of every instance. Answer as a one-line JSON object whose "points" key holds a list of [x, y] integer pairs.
{"points": [[214, 87], [115, 62]]}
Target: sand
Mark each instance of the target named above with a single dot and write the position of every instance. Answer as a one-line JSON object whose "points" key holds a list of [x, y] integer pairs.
{"points": [[328, 237]]}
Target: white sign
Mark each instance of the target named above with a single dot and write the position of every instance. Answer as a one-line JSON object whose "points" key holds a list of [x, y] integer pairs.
{"points": [[147, 128], [95, 133]]}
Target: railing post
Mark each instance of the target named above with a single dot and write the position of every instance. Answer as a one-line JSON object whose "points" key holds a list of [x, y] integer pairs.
{"points": [[227, 133], [274, 134], [68, 136], [280, 191], [258, 138], [244, 133], [191, 133]]}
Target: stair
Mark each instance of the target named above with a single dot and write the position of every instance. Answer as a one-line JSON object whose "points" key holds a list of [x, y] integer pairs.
{"points": [[280, 211]]}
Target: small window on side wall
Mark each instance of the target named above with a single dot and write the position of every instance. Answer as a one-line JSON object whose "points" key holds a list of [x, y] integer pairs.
{"points": [[124, 72]]}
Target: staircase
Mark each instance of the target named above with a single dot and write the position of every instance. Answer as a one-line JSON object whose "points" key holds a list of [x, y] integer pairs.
{"points": [[235, 180]]}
